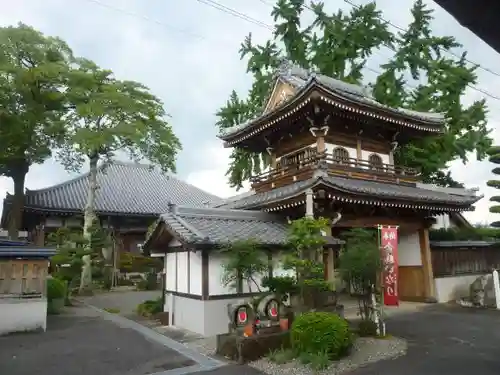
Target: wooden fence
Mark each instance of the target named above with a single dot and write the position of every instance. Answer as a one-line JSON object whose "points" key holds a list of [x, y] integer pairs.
{"points": [[22, 277], [464, 261]]}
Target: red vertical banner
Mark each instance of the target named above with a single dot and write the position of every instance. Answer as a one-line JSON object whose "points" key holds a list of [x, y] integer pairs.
{"points": [[389, 254]]}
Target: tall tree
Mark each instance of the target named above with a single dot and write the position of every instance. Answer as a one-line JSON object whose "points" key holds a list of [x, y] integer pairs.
{"points": [[339, 45], [494, 153], [32, 74], [109, 115]]}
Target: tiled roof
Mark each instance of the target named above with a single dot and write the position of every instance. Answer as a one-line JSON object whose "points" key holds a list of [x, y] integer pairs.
{"points": [[219, 226], [301, 80], [216, 226], [463, 244], [127, 188], [356, 187], [26, 252], [21, 249]]}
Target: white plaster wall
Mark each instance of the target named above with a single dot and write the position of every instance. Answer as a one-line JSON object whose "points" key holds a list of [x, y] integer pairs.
{"points": [[216, 315], [170, 271], [182, 272], [278, 269], [189, 314], [206, 318], [409, 250], [215, 273], [17, 315], [195, 273], [451, 288]]}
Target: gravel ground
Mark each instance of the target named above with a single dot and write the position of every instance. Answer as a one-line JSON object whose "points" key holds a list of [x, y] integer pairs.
{"points": [[365, 351]]}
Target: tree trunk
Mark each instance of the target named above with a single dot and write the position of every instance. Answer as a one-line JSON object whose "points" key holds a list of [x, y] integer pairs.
{"points": [[89, 213], [89, 216], [16, 212]]}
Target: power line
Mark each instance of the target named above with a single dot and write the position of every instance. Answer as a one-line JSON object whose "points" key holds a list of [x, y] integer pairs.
{"points": [[229, 11], [235, 13]]}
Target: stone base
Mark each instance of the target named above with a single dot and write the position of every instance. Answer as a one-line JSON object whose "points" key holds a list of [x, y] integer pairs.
{"points": [[245, 349]]}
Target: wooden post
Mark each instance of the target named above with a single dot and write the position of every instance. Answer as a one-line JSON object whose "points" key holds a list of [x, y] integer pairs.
{"points": [[359, 154], [320, 144], [273, 162], [425, 254], [40, 234]]}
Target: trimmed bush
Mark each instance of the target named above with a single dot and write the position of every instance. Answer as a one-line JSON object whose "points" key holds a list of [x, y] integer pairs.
{"points": [[367, 328], [56, 289], [56, 295], [321, 332], [150, 307]]}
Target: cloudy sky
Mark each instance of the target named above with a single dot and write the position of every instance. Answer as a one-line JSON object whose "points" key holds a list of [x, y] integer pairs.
{"points": [[187, 53]]}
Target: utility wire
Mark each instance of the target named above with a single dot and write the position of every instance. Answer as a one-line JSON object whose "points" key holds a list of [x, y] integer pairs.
{"points": [[234, 13]]}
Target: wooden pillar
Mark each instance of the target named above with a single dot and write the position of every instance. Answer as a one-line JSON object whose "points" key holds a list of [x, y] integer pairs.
{"points": [[204, 275], [391, 158], [272, 163], [309, 203], [425, 254], [329, 260], [320, 144], [39, 239], [359, 154]]}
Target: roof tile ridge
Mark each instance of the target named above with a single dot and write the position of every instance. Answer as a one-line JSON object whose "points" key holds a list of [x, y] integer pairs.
{"points": [[65, 183], [196, 233]]}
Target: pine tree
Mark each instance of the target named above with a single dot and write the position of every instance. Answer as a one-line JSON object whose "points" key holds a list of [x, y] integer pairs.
{"points": [[494, 153], [339, 45]]}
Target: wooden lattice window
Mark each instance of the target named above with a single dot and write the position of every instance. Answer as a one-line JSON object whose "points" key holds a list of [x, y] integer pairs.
{"points": [[375, 162], [20, 277], [341, 155]]}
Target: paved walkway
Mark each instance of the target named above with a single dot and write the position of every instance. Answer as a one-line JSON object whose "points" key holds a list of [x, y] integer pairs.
{"points": [[83, 341], [124, 300], [444, 340]]}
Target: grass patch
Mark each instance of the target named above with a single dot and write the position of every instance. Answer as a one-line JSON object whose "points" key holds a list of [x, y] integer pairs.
{"points": [[316, 361], [112, 310], [281, 356]]}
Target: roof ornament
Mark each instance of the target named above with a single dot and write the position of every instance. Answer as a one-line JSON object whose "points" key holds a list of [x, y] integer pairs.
{"points": [[312, 72], [172, 207], [285, 67]]}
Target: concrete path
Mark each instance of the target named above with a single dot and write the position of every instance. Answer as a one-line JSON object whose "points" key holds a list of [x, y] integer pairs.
{"points": [[126, 301], [84, 341], [444, 340]]}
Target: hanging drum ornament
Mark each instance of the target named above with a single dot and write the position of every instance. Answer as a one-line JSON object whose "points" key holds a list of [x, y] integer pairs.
{"points": [[240, 314], [272, 309]]}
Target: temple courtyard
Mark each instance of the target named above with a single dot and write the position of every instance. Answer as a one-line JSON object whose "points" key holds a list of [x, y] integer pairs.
{"points": [[84, 340]]}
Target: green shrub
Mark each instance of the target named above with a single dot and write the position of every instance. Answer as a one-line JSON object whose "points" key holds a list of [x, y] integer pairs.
{"points": [[150, 307], [321, 332], [56, 289], [367, 328]]}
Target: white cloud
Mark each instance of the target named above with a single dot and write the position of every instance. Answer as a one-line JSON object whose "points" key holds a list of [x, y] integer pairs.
{"points": [[213, 179]]}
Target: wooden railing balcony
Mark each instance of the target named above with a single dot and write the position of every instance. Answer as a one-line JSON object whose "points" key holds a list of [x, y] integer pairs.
{"points": [[300, 166]]}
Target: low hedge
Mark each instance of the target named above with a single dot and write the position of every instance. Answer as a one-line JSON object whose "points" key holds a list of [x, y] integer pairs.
{"points": [[321, 332]]}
